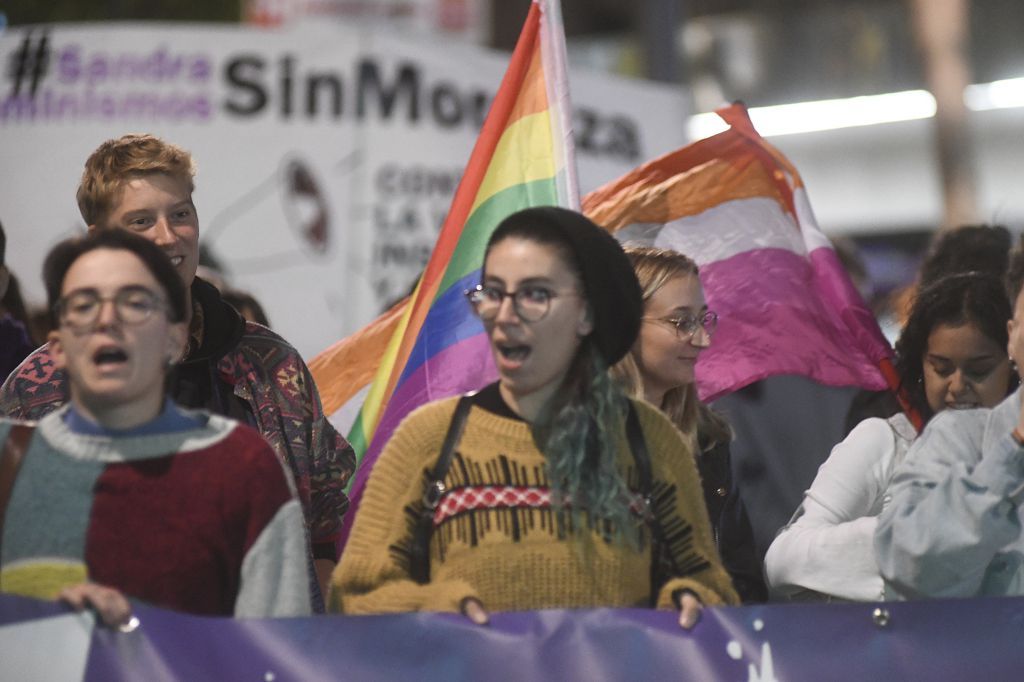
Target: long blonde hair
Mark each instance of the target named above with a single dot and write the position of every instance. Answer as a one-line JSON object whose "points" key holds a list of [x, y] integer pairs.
{"points": [[654, 268]]}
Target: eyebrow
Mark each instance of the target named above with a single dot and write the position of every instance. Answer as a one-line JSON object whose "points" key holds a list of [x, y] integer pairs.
{"points": [[973, 358], [688, 309], [138, 212], [81, 290], [526, 282], [144, 211], [96, 291]]}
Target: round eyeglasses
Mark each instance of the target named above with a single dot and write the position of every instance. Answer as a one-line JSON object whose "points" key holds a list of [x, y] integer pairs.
{"points": [[531, 303], [132, 305], [687, 325]]}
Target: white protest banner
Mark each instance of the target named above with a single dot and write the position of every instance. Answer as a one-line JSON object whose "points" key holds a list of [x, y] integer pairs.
{"points": [[327, 156]]}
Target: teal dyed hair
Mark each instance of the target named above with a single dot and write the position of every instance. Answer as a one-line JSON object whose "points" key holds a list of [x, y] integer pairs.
{"points": [[578, 432]]}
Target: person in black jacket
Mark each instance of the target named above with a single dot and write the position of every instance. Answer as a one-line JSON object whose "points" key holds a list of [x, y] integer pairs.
{"points": [[677, 326]]}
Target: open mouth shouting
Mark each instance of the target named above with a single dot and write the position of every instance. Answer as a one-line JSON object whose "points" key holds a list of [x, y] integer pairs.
{"points": [[512, 356], [110, 357]]}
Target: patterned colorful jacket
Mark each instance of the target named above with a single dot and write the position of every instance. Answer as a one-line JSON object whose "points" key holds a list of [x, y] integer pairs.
{"points": [[274, 393]]}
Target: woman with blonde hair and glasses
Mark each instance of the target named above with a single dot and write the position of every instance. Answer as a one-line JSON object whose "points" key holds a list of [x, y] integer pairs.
{"points": [[660, 368]]}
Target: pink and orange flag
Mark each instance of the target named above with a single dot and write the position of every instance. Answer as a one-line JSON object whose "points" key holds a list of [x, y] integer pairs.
{"points": [[738, 207]]}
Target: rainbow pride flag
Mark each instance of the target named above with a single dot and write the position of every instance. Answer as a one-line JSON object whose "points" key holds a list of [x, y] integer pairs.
{"points": [[523, 157]]}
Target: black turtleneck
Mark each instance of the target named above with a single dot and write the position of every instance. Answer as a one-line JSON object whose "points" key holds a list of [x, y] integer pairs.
{"points": [[489, 398], [195, 382]]}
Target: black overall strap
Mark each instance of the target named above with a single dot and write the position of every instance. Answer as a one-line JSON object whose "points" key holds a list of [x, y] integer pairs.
{"points": [[419, 551], [660, 553], [638, 446]]}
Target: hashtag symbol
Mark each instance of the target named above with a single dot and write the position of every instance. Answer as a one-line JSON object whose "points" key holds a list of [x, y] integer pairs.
{"points": [[30, 64]]}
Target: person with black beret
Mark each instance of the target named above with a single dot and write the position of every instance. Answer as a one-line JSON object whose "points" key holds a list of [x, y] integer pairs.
{"points": [[548, 488]]}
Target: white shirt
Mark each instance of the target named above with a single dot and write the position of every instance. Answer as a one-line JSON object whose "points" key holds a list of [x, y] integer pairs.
{"points": [[827, 547]]}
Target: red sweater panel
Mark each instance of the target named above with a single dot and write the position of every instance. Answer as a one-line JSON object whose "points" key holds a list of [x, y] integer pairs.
{"points": [[174, 530]]}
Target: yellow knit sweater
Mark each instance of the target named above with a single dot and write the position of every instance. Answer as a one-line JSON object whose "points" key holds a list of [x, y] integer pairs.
{"points": [[516, 559]]}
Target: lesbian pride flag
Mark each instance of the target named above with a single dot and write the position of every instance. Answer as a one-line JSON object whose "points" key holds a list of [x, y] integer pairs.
{"points": [[738, 207], [435, 346]]}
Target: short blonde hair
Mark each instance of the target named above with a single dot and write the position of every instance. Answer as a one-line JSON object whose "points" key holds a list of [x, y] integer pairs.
{"points": [[117, 161]]}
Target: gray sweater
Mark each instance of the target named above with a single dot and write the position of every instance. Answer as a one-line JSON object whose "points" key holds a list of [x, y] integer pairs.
{"points": [[203, 520]]}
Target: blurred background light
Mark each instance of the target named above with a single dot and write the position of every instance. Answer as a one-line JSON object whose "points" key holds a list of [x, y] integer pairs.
{"points": [[830, 114], [1004, 94]]}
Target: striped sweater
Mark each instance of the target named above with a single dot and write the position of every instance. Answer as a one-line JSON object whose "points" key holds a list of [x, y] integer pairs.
{"points": [[203, 521], [497, 538]]}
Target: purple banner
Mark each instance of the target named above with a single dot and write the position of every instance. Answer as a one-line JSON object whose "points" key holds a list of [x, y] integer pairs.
{"points": [[954, 639]]}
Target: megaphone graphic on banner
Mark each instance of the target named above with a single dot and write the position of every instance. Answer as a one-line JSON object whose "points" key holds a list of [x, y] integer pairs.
{"points": [[303, 206]]}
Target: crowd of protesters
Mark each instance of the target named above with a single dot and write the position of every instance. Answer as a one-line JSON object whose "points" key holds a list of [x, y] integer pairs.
{"points": [[163, 445]]}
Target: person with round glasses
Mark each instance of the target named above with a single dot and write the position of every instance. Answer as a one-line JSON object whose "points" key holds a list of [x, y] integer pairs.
{"points": [[132, 305], [661, 368], [122, 494], [559, 492], [531, 302]]}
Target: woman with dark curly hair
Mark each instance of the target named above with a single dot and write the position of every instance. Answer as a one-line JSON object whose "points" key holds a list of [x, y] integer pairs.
{"points": [[950, 355], [556, 490]]}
